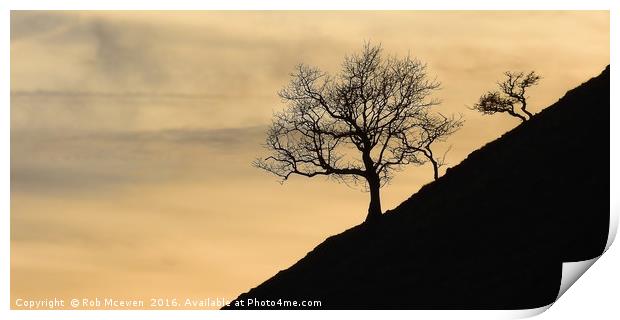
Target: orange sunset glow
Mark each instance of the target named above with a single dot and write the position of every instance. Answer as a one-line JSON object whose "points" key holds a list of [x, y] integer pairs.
{"points": [[133, 135]]}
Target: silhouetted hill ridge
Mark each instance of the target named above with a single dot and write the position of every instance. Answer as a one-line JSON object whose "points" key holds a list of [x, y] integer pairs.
{"points": [[492, 233]]}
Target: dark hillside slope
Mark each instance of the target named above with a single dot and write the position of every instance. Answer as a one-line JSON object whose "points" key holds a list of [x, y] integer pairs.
{"points": [[491, 234]]}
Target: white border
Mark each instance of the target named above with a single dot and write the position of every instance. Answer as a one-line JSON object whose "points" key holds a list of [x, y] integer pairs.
{"points": [[595, 293]]}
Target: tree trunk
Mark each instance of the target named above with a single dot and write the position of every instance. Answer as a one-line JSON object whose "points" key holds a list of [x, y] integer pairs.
{"points": [[435, 169], [514, 114], [429, 154], [374, 209], [523, 106]]}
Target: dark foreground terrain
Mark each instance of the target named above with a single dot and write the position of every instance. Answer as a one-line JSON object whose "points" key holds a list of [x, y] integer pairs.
{"points": [[490, 234]]}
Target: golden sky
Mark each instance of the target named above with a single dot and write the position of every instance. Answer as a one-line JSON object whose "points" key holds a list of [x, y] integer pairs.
{"points": [[133, 133]]}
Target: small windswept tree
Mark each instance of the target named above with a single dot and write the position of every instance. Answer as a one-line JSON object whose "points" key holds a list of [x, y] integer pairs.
{"points": [[359, 126], [437, 128], [512, 92]]}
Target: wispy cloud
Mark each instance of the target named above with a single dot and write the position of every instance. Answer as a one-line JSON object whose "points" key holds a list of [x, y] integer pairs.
{"points": [[52, 162]]}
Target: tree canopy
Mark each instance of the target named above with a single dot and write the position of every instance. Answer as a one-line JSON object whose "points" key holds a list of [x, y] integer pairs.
{"points": [[512, 92], [359, 126]]}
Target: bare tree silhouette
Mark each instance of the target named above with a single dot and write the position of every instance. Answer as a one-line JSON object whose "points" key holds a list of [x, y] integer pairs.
{"points": [[359, 126], [437, 128], [511, 92]]}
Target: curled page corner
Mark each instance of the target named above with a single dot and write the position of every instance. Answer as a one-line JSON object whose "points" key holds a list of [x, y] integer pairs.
{"points": [[571, 271], [613, 225], [528, 313]]}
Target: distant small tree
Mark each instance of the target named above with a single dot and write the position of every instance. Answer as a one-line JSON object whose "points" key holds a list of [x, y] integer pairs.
{"points": [[512, 91], [437, 128], [359, 126]]}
